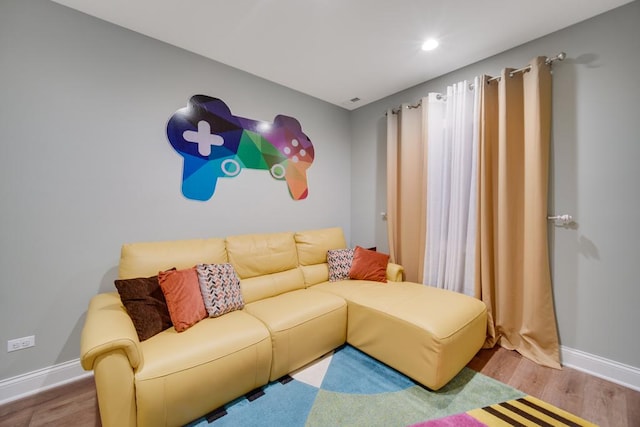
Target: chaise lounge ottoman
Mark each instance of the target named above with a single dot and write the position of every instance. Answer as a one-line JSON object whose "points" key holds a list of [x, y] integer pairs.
{"points": [[426, 333]]}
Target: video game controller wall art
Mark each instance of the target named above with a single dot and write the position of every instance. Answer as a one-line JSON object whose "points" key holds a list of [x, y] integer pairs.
{"points": [[216, 144]]}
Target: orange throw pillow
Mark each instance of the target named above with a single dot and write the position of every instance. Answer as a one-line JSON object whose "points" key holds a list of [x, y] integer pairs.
{"points": [[369, 265], [182, 292]]}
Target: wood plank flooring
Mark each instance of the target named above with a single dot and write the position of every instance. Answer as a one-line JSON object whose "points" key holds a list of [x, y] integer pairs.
{"points": [[599, 401], [73, 404]]}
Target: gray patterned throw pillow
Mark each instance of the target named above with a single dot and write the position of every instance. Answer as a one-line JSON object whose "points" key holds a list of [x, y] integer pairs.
{"points": [[220, 287], [339, 261]]}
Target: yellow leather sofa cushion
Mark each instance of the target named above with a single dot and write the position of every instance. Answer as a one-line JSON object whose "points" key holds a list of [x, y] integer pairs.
{"points": [[270, 285], [312, 247], [218, 360], [304, 324], [258, 254], [146, 259], [267, 264]]}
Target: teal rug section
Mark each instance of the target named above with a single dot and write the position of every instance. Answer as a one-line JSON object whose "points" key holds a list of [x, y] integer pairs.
{"points": [[357, 390], [353, 372], [282, 405]]}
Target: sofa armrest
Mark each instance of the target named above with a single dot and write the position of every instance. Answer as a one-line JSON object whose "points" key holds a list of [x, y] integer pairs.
{"points": [[394, 272], [107, 329]]}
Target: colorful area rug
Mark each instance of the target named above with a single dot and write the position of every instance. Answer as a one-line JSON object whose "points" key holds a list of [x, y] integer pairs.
{"points": [[349, 388]]}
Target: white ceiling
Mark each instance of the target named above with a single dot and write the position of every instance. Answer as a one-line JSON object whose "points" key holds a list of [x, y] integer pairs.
{"points": [[337, 50]]}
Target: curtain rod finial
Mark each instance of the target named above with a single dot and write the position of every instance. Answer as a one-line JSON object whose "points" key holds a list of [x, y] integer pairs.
{"points": [[559, 57]]}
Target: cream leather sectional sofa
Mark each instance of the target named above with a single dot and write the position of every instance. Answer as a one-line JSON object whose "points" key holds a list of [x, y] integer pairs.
{"points": [[292, 315]]}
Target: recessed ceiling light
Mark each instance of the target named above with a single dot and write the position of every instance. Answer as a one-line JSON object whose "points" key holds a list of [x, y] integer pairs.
{"points": [[430, 44]]}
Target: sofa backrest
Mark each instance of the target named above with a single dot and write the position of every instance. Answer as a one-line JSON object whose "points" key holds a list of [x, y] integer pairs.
{"points": [[267, 264], [312, 247], [148, 258]]}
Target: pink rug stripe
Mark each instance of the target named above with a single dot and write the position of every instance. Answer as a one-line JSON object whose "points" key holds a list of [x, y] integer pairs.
{"points": [[459, 420]]}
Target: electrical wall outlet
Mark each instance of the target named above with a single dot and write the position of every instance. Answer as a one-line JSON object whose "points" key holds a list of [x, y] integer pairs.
{"points": [[21, 343]]}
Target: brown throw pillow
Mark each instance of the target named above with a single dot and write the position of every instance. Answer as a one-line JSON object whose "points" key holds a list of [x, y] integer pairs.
{"points": [[184, 300], [144, 301], [369, 265]]}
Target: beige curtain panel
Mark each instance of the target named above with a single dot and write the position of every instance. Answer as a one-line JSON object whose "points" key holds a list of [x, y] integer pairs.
{"points": [[512, 265], [406, 189], [512, 274]]}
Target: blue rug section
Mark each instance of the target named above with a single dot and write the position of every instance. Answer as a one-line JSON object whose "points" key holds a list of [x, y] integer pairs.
{"points": [[281, 405], [351, 371]]}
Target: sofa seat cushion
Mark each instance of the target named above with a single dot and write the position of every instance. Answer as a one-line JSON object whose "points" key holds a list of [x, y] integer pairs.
{"points": [[170, 351], [428, 334], [304, 324], [202, 368]]}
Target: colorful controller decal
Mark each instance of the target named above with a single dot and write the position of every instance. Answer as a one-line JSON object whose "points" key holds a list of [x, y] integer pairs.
{"points": [[216, 144]]}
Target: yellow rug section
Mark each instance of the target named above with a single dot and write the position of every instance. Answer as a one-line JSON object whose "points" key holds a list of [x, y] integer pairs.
{"points": [[527, 411]]}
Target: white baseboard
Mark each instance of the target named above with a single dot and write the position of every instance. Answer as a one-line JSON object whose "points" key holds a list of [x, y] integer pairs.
{"points": [[600, 367], [43, 379]]}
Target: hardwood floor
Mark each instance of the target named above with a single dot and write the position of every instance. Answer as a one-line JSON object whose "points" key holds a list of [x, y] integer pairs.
{"points": [[73, 404], [601, 402], [596, 400]]}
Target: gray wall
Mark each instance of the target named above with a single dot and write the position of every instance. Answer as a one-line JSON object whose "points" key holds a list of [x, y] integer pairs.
{"points": [[85, 165], [595, 175]]}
